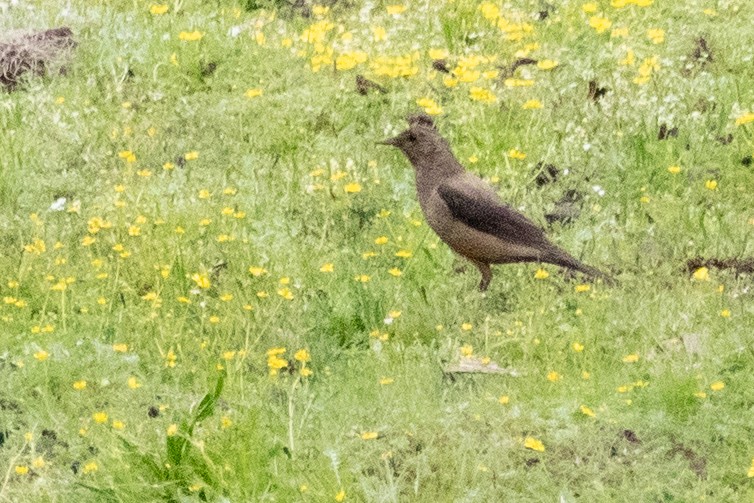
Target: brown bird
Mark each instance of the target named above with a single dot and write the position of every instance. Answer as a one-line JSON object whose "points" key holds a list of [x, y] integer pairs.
{"points": [[466, 212]]}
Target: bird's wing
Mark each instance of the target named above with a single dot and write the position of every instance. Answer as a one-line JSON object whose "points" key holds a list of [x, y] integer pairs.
{"points": [[475, 204]]}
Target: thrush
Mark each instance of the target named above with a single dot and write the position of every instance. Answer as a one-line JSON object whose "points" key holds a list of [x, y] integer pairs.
{"points": [[467, 214]]}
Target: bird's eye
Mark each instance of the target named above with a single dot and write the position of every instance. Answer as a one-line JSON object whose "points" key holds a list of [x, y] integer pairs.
{"points": [[411, 136]]}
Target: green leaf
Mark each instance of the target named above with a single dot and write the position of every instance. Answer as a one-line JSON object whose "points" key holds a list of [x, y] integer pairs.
{"points": [[147, 460], [207, 405], [177, 444], [105, 494]]}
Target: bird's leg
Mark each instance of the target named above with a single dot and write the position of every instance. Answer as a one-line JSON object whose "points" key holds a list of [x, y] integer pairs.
{"points": [[486, 274]]}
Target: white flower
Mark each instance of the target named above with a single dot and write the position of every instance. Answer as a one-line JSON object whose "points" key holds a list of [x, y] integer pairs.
{"points": [[58, 205]]}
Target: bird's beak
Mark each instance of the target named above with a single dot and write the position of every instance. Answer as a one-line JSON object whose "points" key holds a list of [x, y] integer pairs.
{"points": [[390, 141]]}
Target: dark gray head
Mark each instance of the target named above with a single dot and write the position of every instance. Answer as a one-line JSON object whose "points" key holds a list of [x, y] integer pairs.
{"points": [[421, 142]]}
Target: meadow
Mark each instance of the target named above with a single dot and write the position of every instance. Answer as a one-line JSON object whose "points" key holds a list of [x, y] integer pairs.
{"points": [[216, 287]]}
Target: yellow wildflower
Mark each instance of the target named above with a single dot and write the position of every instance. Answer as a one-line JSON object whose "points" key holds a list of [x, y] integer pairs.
{"points": [[656, 35], [482, 94], [170, 359], [534, 444], [352, 188], [429, 105], [100, 417], [546, 64], [518, 82], [490, 11], [302, 355], [717, 386], [632, 358], [600, 24], [437, 53], [349, 60], [701, 274], [37, 247], [587, 411], [274, 360], [629, 60], [190, 36], [257, 271], [745, 119], [201, 280]]}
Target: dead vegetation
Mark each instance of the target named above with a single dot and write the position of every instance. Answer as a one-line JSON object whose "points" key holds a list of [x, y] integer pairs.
{"points": [[36, 53], [736, 265]]}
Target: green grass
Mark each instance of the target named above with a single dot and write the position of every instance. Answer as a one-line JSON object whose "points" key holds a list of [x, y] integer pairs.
{"points": [[178, 373]]}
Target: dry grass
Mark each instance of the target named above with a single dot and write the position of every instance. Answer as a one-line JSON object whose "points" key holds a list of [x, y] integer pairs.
{"points": [[34, 52]]}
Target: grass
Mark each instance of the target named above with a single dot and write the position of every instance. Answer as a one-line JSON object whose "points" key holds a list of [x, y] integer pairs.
{"points": [[223, 197]]}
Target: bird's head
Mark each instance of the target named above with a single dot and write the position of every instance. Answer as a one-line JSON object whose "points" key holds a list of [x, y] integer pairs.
{"points": [[420, 142]]}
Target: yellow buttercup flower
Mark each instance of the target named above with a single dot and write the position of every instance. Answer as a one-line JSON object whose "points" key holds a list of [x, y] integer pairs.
{"points": [[534, 444], [158, 9], [190, 36]]}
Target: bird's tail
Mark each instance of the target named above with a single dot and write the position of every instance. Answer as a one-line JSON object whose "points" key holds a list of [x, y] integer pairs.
{"points": [[559, 257]]}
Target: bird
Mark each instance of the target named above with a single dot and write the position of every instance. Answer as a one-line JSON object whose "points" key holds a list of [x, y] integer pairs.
{"points": [[467, 214]]}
